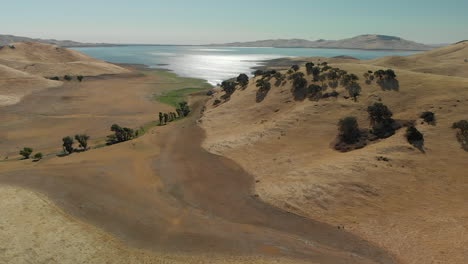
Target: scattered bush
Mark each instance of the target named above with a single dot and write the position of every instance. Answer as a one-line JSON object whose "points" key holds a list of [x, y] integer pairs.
{"points": [[309, 67], [349, 130], [67, 77], [462, 133], [68, 145], [295, 68], [229, 87], [381, 120], [184, 109], [257, 73], [387, 80], [38, 156], [414, 137], [299, 86], [243, 80], [428, 117], [264, 87], [122, 134], [314, 91], [216, 102], [79, 78], [82, 140], [55, 78], [26, 152]]}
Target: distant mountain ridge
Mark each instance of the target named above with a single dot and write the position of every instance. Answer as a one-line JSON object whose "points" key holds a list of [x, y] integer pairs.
{"points": [[365, 42], [9, 39]]}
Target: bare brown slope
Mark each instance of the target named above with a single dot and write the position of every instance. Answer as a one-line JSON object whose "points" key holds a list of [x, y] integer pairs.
{"points": [[50, 60], [450, 61], [414, 205], [196, 203]]}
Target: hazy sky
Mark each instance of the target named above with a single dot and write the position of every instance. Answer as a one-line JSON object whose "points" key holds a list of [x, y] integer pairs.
{"points": [[218, 21]]}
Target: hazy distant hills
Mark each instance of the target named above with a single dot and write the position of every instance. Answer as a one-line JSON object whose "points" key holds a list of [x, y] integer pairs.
{"points": [[366, 42], [8, 39]]}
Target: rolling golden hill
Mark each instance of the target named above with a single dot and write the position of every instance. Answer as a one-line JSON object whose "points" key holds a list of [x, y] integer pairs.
{"points": [[412, 203]]}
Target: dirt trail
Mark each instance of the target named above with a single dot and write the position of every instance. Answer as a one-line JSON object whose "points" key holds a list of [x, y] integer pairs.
{"points": [[181, 198]]}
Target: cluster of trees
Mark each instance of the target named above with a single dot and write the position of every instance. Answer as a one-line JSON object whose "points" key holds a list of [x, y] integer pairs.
{"points": [[68, 143], [382, 126], [462, 133], [386, 79], [27, 152], [67, 78], [121, 134], [182, 110], [381, 120]]}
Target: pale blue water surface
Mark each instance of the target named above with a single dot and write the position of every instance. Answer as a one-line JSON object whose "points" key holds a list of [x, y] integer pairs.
{"points": [[215, 64]]}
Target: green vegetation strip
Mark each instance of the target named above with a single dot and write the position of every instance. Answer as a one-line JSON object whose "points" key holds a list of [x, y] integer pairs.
{"points": [[173, 98]]}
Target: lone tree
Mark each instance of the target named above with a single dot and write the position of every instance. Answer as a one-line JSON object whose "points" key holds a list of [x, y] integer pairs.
{"points": [[243, 80], [428, 117], [229, 87], [462, 133], [381, 120], [82, 140], [414, 137], [184, 108], [349, 130], [264, 87], [161, 118], [309, 67], [314, 91], [38, 156], [26, 152], [299, 86], [80, 78], [354, 90], [68, 145]]}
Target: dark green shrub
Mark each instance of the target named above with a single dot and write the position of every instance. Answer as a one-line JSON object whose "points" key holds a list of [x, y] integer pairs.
{"points": [[184, 108], [68, 145], [349, 130], [243, 80], [414, 137], [67, 77], [121, 134], [229, 87], [295, 68], [264, 87], [79, 78], [26, 152], [257, 73], [462, 133], [428, 117], [381, 120], [309, 67], [38, 156], [82, 140]]}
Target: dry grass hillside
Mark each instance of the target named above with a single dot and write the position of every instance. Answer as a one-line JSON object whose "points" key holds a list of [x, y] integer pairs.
{"points": [[24, 66], [14, 84], [412, 203], [50, 60], [451, 60]]}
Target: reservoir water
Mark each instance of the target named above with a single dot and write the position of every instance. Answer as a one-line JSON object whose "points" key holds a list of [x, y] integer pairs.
{"points": [[215, 64]]}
